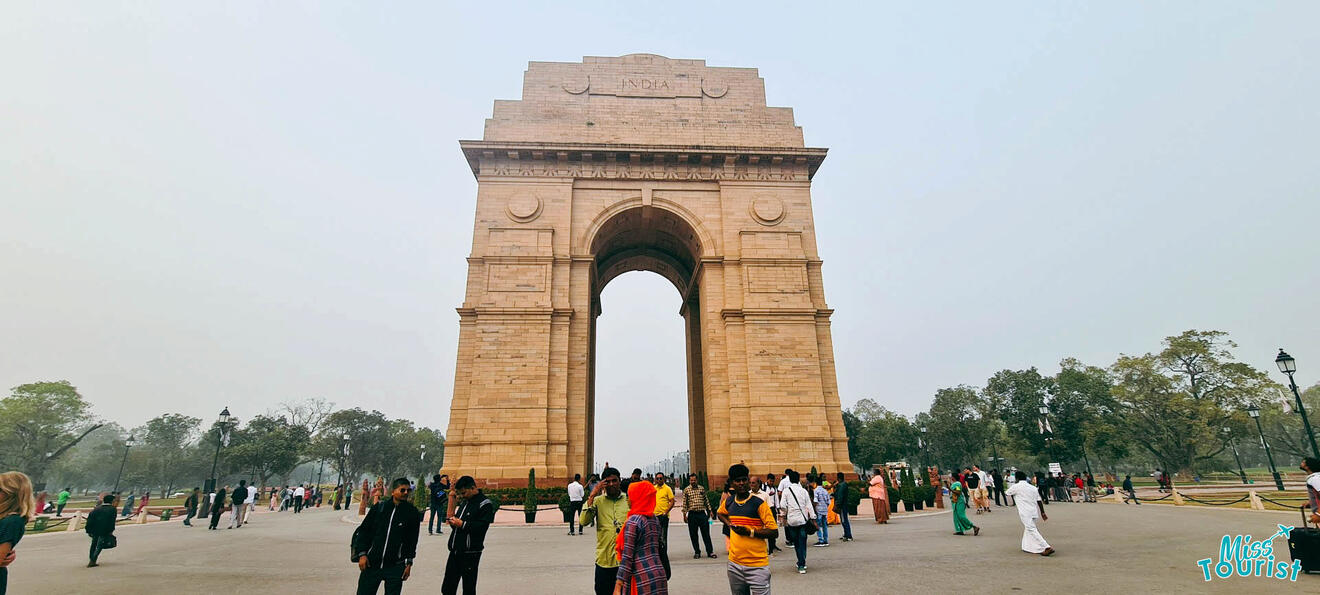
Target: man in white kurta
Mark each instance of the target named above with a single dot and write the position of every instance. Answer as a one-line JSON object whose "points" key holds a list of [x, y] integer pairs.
{"points": [[1029, 508]]}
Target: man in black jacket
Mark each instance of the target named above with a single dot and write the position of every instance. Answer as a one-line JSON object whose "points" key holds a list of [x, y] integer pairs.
{"points": [[471, 519], [236, 503], [190, 505], [100, 525], [218, 507], [439, 486], [386, 542]]}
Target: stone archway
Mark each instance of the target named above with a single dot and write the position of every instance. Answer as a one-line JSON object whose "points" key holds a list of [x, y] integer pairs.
{"points": [[643, 163], [651, 238]]}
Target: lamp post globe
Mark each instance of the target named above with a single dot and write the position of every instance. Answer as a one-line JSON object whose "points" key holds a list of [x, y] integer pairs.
{"points": [[1286, 363]]}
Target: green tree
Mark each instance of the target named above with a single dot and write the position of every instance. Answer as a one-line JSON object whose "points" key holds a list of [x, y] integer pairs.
{"points": [[421, 498], [370, 440], [309, 413], [1175, 404], [1082, 398], [1283, 425], [882, 435], [93, 463], [852, 427], [163, 444], [1165, 422], [957, 432], [268, 446], [42, 421], [1018, 395], [434, 441], [1201, 365]]}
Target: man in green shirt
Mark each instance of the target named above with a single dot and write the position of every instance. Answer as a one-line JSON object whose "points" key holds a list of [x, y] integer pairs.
{"points": [[59, 504], [610, 513]]}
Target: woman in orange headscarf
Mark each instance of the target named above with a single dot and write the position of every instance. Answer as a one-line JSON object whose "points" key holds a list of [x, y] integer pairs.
{"points": [[641, 571]]}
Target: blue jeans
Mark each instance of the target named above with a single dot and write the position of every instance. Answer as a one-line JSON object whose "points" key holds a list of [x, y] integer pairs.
{"points": [[437, 519], [798, 537], [847, 527], [823, 534]]}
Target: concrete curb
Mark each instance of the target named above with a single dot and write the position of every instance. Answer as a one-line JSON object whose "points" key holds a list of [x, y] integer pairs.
{"points": [[909, 515], [1218, 508]]}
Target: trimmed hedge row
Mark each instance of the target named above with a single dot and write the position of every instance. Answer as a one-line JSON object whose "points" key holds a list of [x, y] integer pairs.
{"points": [[516, 496]]}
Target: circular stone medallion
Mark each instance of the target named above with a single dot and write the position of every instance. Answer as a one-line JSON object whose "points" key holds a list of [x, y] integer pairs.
{"points": [[524, 208], [576, 85], [767, 210], [714, 89]]}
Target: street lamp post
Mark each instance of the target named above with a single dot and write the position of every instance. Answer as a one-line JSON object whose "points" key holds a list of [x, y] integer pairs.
{"points": [[1288, 366], [924, 443], [223, 422], [1046, 430], [343, 457], [1254, 412], [1233, 443], [127, 445]]}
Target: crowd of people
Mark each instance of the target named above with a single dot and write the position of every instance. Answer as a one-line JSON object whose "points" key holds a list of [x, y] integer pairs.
{"points": [[242, 500], [630, 519]]}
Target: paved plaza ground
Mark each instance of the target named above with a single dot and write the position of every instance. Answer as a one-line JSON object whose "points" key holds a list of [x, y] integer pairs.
{"points": [[1102, 548]]}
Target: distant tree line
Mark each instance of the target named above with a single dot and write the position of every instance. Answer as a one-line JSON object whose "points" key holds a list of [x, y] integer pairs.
{"points": [[51, 434], [1182, 408]]}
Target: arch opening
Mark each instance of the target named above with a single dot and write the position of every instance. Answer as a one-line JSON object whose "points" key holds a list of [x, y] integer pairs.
{"points": [[646, 238]]}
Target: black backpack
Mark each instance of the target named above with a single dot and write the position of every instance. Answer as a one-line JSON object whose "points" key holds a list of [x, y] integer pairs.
{"points": [[353, 544]]}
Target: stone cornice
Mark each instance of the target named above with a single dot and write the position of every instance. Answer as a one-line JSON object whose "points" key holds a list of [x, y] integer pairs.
{"points": [[625, 161]]}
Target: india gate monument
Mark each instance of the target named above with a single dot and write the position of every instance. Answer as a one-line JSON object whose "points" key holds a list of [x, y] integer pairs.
{"points": [[646, 163]]}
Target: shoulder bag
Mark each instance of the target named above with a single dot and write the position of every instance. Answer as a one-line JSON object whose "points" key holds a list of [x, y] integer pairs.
{"points": [[811, 521]]}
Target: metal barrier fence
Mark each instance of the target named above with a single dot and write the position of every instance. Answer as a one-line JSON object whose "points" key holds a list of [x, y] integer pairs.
{"points": [[1164, 497], [1277, 503], [47, 523], [1208, 503]]}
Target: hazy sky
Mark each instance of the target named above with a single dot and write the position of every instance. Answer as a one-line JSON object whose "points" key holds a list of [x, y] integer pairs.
{"points": [[252, 202]]}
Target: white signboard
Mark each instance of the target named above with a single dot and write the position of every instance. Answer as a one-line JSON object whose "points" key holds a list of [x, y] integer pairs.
{"points": [[1056, 468]]}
